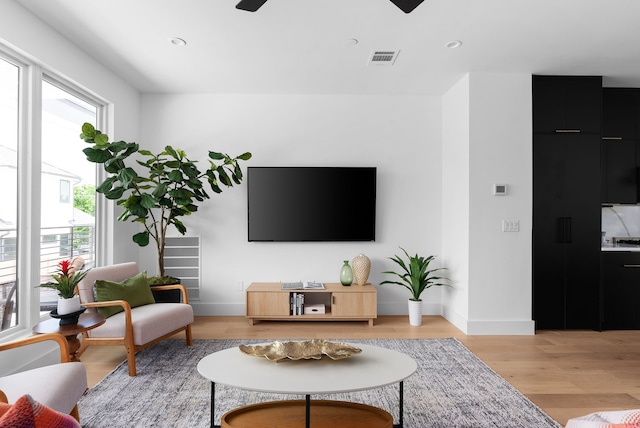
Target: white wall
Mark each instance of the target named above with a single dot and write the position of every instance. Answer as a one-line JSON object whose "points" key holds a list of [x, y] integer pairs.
{"points": [[399, 135], [487, 140]]}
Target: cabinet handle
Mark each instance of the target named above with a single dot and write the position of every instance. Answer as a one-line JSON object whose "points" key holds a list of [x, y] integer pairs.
{"points": [[612, 138], [333, 299], [631, 266], [573, 131]]}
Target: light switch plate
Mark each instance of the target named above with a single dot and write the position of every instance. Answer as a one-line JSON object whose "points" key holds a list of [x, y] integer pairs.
{"points": [[510, 225], [499, 189]]}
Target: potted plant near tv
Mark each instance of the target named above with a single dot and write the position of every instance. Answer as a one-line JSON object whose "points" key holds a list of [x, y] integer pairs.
{"points": [[163, 188], [416, 277]]}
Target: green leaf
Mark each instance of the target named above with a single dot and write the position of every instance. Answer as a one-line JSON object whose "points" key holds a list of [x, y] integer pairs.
{"points": [[126, 176], [217, 156], [88, 129], [101, 140], [171, 152], [97, 155], [160, 190], [145, 152], [147, 201], [106, 185], [175, 176], [115, 193], [178, 224], [142, 238], [222, 175], [245, 156]]}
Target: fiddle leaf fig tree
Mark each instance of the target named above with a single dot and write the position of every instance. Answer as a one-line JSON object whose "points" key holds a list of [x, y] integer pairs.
{"points": [[162, 189]]}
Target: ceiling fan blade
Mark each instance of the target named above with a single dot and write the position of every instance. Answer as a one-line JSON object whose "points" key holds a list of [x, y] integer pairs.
{"points": [[407, 5], [250, 5]]}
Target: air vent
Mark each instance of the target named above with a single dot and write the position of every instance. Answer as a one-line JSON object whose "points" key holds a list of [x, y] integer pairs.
{"points": [[383, 57]]}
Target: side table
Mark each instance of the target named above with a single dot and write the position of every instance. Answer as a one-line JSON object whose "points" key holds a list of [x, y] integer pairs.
{"points": [[86, 322]]}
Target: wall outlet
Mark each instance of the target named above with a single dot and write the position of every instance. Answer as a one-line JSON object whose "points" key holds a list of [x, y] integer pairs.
{"points": [[239, 285], [510, 225]]}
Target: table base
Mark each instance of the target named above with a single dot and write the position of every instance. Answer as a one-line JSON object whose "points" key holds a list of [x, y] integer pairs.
{"points": [[323, 414]]}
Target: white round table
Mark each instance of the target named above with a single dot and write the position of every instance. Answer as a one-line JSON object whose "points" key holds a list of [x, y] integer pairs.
{"points": [[374, 367]]}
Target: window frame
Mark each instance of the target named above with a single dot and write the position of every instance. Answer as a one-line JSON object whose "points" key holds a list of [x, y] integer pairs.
{"points": [[32, 74]]}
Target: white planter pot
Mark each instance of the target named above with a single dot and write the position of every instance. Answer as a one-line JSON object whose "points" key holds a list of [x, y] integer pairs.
{"points": [[415, 312], [68, 306]]}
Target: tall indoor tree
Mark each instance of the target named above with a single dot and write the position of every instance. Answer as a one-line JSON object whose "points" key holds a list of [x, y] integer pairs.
{"points": [[163, 188]]}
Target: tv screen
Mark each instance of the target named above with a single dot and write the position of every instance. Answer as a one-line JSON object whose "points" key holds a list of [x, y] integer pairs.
{"points": [[311, 203]]}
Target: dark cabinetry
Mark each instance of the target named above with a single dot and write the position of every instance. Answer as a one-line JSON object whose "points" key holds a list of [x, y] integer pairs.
{"points": [[567, 104], [620, 145], [621, 290], [566, 201]]}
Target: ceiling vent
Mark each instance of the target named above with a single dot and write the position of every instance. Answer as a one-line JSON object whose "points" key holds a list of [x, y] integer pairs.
{"points": [[383, 57]]}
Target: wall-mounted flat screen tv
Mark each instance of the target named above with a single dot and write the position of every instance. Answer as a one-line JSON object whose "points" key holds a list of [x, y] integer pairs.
{"points": [[312, 203]]}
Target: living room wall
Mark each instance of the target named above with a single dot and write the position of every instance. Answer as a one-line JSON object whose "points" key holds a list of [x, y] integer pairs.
{"points": [[400, 135]]}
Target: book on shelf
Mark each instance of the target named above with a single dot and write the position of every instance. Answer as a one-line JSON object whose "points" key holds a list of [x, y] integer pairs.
{"points": [[297, 303], [306, 285]]}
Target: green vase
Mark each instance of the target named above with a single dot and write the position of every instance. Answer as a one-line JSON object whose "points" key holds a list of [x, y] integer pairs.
{"points": [[346, 274]]}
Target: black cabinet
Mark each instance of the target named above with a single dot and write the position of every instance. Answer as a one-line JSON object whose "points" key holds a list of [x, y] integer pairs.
{"points": [[620, 171], [620, 113], [566, 231], [564, 104], [620, 290]]}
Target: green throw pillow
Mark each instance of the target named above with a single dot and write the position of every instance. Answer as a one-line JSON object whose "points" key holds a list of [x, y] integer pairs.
{"points": [[134, 290]]}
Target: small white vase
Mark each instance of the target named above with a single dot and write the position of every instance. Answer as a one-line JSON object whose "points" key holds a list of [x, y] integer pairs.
{"points": [[415, 312], [68, 306]]}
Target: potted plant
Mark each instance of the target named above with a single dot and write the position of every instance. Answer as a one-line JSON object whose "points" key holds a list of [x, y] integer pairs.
{"points": [[416, 277], [165, 186], [65, 282]]}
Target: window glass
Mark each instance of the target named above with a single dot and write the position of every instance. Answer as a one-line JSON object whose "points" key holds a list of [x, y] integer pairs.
{"points": [[9, 81], [68, 186]]}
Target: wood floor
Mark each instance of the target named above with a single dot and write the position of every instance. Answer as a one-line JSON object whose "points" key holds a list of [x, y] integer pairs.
{"points": [[566, 373]]}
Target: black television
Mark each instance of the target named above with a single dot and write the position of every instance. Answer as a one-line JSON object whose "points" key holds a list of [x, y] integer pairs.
{"points": [[292, 204]]}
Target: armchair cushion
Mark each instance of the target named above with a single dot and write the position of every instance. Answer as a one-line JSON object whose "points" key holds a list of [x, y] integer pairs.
{"points": [[28, 413], [134, 290], [148, 322], [46, 385]]}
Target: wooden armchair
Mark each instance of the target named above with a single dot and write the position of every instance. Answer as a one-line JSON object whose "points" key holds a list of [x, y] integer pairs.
{"points": [[57, 386], [134, 328]]}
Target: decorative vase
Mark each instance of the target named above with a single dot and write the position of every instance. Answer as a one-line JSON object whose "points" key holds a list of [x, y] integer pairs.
{"points": [[346, 274], [361, 266], [68, 306], [415, 312]]}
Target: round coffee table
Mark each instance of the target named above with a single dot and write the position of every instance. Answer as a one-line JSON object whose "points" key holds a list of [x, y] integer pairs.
{"points": [[86, 322], [375, 367]]}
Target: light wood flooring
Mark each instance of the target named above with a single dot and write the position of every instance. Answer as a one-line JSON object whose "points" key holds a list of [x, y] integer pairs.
{"points": [[566, 373]]}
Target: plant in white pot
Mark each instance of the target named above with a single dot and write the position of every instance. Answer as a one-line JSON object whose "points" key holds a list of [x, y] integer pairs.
{"points": [[65, 282], [416, 277]]}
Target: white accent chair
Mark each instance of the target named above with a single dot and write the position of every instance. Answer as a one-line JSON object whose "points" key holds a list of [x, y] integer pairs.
{"points": [[134, 328], [57, 386]]}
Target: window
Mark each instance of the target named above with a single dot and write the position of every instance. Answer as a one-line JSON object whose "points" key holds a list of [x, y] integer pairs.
{"points": [[9, 85], [72, 224], [40, 120], [65, 191]]}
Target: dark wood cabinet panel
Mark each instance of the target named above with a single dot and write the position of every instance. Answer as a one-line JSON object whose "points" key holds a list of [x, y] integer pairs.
{"points": [[566, 231], [567, 104], [619, 171], [621, 290], [619, 113]]}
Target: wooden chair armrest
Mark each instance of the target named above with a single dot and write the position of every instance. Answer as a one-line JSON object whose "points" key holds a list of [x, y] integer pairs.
{"points": [[125, 305], [182, 288], [60, 339], [3, 397]]}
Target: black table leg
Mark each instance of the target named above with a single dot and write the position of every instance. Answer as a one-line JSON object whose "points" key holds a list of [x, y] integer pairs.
{"points": [[307, 408], [213, 404], [400, 423]]}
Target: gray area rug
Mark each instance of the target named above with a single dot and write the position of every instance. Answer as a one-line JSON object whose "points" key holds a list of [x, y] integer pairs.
{"points": [[451, 388]]}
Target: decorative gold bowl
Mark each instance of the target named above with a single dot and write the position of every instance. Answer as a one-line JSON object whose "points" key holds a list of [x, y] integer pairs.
{"points": [[308, 350]]}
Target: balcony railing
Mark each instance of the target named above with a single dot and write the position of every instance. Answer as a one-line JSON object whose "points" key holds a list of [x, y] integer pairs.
{"points": [[56, 244]]}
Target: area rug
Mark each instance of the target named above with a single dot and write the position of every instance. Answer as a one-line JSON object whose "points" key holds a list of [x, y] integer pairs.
{"points": [[452, 388]]}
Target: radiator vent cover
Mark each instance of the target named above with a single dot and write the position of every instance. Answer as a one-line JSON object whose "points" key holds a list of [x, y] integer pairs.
{"points": [[182, 260], [381, 57]]}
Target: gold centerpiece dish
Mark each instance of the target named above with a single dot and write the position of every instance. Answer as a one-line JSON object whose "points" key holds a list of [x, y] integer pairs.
{"points": [[308, 350]]}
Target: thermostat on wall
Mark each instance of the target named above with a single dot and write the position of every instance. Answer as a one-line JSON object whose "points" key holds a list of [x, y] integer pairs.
{"points": [[499, 189]]}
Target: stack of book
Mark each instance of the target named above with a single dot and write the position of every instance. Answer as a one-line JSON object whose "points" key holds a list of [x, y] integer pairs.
{"points": [[297, 303]]}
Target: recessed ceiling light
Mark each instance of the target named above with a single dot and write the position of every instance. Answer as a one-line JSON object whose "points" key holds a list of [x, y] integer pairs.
{"points": [[351, 42], [454, 44], [177, 41]]}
